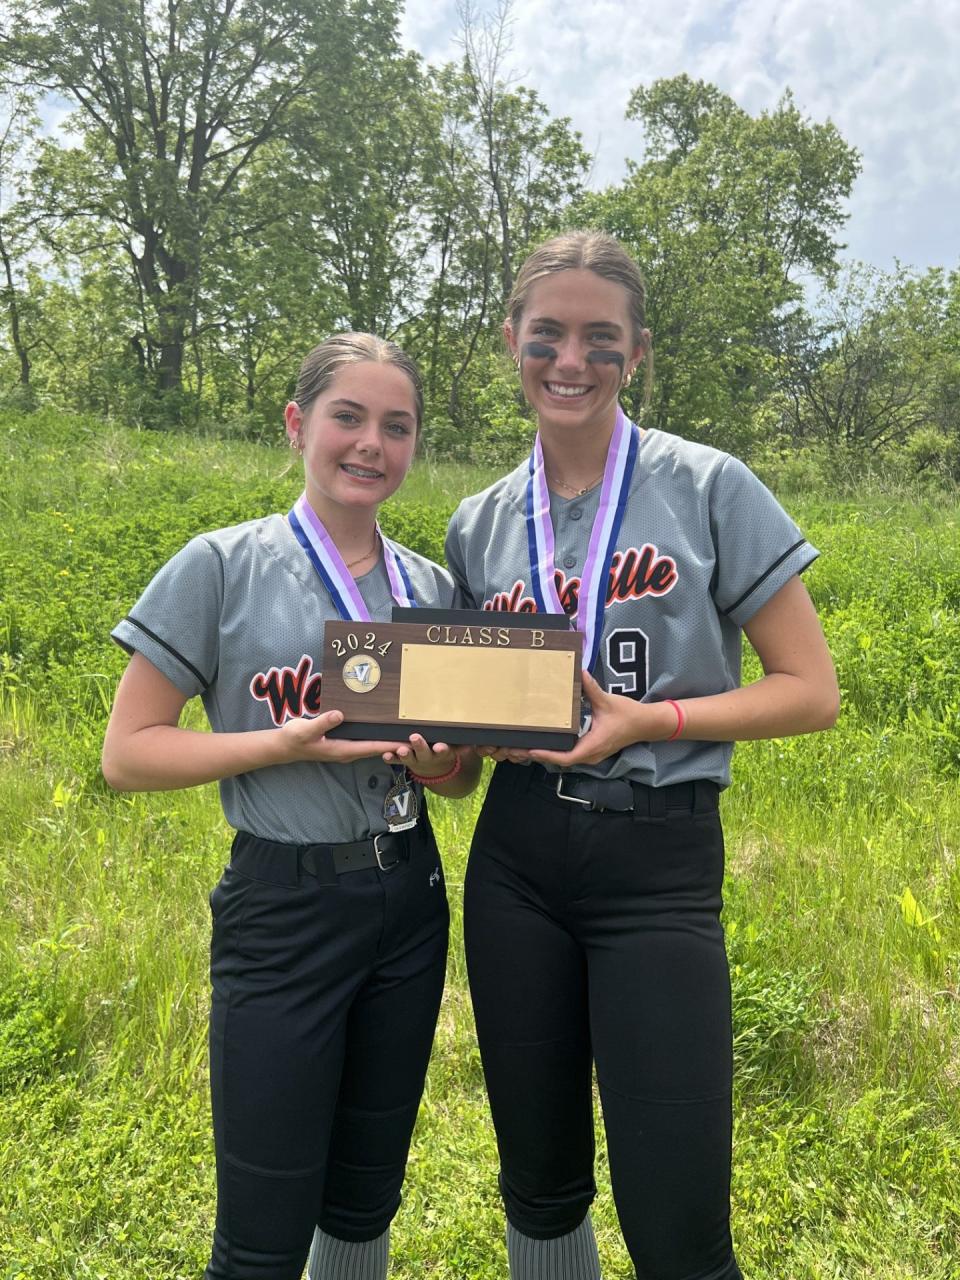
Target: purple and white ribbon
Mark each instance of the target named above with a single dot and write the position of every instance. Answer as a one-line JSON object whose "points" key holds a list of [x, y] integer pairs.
{"points": [[322, 552], [592, 598]]}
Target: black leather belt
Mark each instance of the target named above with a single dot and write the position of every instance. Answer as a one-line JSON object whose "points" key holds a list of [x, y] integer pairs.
{"points": [[383, 851], [618, 795], [283, 864]]}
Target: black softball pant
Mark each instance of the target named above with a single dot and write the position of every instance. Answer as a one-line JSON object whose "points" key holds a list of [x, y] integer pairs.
{"points": [[595, 937], [326, 990]]}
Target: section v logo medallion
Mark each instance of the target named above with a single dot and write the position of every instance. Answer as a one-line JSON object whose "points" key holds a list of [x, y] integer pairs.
{"points": [[361, 673]]}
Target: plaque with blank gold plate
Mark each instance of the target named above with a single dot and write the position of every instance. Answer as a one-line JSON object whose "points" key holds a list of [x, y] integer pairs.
{"points": [[457, 676]]}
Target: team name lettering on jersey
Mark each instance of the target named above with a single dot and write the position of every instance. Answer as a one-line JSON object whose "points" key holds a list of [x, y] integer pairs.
{"points": [[633, 574], [289, 691]]}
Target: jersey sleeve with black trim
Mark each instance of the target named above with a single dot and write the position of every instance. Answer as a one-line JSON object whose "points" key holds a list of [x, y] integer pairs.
{"points": [[176, 622], [702, 546], [758, 547]]}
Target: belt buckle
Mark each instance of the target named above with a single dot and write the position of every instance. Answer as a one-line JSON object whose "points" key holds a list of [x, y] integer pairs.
{"points": [[589, 804], [376, 849]]}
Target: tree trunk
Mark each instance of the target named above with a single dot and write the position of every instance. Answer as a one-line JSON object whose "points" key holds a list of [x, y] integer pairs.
{"points": [[23, 354], [170, 364], [164, 281]]}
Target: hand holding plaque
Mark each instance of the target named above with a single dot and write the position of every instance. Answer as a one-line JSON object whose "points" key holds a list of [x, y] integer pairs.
{"points": [[464, 676]]}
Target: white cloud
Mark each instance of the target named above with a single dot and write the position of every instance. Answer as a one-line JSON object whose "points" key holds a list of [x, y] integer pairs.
{"points": [[885, 72]]}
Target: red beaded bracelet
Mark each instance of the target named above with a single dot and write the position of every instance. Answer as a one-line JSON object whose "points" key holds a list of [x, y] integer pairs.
{"points": [[443, 777], [681, 720]]}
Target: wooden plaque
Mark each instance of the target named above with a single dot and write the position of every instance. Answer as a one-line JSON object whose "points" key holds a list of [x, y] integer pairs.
{"points": [[458, 676]]}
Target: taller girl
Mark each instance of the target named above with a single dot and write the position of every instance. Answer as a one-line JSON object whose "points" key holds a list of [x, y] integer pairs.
{"points": [[593, 890]]}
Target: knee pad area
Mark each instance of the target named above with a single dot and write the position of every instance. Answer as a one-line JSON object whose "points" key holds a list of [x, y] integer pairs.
{"points": [[548, 1212], [365, 1170], [230, 1260]]}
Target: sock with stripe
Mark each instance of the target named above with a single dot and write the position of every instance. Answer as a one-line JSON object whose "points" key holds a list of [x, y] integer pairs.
{"points": [[333, 1259], [570, 1257]]}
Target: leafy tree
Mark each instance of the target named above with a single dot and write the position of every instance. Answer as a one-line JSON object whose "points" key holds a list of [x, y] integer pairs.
{"points": [[262, 300], [946, 367], [503, 175], [528, 166], [361, 150], [173, 103], [873, 365], [325, 231], [727, 213], [18, 235]]}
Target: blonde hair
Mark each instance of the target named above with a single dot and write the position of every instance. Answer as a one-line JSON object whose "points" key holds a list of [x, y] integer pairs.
{"points": [[321, 365], [590, 251]]}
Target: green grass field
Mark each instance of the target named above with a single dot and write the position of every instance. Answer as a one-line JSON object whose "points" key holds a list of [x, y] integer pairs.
{"points": [[841, 905]]}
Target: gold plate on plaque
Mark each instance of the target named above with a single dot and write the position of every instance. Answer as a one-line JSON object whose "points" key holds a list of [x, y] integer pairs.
{"points": [[526, 688]]}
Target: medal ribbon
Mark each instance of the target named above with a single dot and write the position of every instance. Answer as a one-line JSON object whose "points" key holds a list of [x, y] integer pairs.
{"points": [[617, 475], [322, 553]]}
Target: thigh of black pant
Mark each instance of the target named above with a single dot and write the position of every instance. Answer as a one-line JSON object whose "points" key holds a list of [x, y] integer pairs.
{"points": [[389, 1034], [528, 985], [286, 963], [660, 1023]]}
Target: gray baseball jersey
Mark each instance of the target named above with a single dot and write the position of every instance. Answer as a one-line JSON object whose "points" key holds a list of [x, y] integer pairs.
{"points": [[238, 617], [703, 544]]}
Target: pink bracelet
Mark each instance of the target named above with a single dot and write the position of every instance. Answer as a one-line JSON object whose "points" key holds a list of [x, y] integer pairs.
{"points": [[681, 720], [444, 777]]}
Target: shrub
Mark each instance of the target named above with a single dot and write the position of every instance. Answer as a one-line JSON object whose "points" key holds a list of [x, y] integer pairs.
{"points": [[418, 526], [931, 450], [32, 1041]]}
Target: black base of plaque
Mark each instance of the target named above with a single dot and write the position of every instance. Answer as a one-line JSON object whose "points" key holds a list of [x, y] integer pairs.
{"points": [[456, 735]]}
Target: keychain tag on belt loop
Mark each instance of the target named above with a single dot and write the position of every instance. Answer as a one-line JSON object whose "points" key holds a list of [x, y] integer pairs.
{"points": [[401, 805]]}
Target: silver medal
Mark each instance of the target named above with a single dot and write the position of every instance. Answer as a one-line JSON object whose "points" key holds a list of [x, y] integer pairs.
{"points": [[401, 806]]}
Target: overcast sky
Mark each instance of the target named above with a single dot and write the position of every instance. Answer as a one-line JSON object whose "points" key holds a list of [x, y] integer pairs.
{"points": [[887, 73]]}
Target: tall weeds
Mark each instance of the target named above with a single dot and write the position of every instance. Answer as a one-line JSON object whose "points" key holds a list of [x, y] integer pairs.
{"points": [[842, 905]]}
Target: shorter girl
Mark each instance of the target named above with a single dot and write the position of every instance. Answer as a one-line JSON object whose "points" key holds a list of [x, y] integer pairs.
{"points": [[330, 923]]}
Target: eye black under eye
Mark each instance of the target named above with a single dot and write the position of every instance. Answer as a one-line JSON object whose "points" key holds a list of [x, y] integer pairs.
{"points": [[539, 351], [606, 357]]}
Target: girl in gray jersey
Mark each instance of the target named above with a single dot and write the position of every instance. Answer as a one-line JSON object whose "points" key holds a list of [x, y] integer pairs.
{"points": [[592, 895], [330, 923]]}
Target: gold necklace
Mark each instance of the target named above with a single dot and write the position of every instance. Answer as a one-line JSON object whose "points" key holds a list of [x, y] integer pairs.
{"points": [[366, 555], [555, 479]]}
